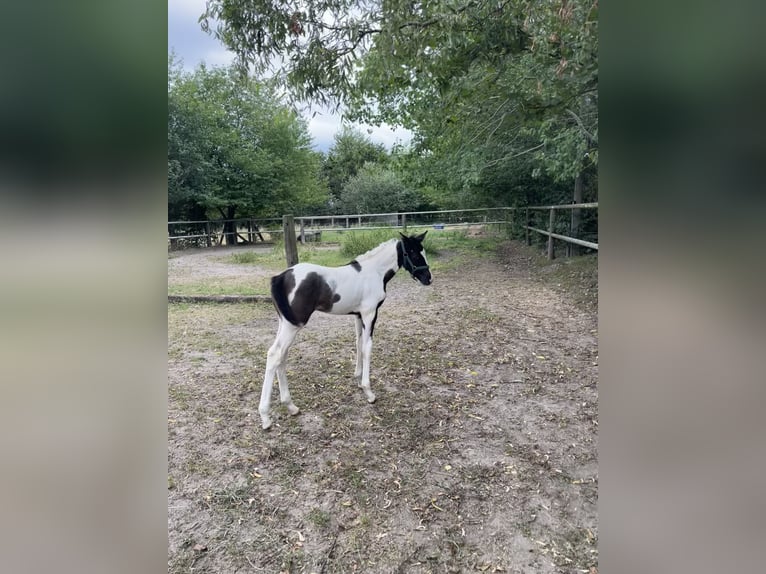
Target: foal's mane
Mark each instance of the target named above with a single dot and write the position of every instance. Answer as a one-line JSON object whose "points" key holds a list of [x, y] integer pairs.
{"points": [[376, 250]]}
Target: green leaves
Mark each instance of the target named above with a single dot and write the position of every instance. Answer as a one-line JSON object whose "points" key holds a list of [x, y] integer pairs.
{"points": [[350, 152], [487, 86], [233, 149], [377, 189]]}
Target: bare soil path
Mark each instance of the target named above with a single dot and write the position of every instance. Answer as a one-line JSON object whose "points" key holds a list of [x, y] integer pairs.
{"points": [[480, 453]]}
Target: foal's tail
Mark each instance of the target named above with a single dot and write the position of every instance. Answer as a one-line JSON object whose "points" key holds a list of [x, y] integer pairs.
{"points": [[279, 292]]}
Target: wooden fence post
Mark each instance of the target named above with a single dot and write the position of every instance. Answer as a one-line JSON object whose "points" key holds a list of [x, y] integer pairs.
{"points": [[551, 253], [574, 226], [208, 237], [404, 222], [526, 225], [303, 233], [291, 246]]}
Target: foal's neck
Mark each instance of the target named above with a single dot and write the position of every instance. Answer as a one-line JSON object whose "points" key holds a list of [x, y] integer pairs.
{"points": [[384, 258], [392, 258]]}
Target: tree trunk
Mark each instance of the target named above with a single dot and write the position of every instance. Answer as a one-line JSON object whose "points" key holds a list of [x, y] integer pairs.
{"points": [[551, 229], [173, 242], [574, 227], [230, 227]]}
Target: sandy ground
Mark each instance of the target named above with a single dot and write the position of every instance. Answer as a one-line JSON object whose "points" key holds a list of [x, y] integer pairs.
{"points": [[480, 453]]}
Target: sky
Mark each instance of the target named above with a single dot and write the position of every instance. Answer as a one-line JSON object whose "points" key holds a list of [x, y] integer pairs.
{"points": [[193, 46]]}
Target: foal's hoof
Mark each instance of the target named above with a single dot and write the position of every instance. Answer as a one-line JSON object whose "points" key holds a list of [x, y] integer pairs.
{"points": [[293, 410], [265, 423], [370, 397]]}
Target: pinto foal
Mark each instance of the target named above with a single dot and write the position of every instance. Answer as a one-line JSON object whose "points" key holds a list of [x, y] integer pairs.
{"points": [[358, 288]]}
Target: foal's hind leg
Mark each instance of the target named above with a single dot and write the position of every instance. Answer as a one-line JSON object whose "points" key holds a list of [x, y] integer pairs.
{"points": [[275, 364], [284, 391], [365, 346], [359, 326]]}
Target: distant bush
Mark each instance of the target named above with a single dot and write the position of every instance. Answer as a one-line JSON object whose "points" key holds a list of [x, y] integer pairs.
{"points": [[377, 189], [354, 243], [244, 257]]}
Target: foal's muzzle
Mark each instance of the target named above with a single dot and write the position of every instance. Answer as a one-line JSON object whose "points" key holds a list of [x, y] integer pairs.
{"points": [[424, 277]]}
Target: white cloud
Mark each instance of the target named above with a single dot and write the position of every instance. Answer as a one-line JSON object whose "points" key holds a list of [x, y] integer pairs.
{"points": [[324, 125], [220, 57], [187, 8], [387, 135]]}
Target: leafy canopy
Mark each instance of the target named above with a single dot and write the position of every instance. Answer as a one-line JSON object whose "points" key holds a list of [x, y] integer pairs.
{"points": [[486, 85], [351, 150], [377, 189], [233, 149]]}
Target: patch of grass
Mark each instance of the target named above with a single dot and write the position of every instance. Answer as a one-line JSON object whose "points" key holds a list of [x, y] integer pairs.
{"points": [[275, 259], [231, 497], [221, 286], [356, 479], [270, 259], [198, 464], [356, 242], [461, 240], [318, 518], [245, 257], [479, 314], [327, 257], [180, 396], [332, 237]]}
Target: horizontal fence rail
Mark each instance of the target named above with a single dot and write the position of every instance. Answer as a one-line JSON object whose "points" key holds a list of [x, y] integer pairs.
{"points": [[574, 225], [208, 233], [565, 206], [582, 242]]}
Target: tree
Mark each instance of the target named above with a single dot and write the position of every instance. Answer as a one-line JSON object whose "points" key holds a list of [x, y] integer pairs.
{"points": [[486, 85], [493, 88], [377, 189], [187, 160], [234, 150], [350, 152]]}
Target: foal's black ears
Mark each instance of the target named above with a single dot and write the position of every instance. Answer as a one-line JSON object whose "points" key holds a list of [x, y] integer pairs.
{"points": [[418, 238]]}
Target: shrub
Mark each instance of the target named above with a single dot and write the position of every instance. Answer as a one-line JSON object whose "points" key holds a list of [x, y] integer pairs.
{"points": [[376, 189], [356, 242]]}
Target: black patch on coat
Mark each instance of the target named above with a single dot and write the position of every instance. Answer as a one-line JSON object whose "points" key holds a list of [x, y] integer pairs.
{"points": [[358, 316], [399, 254], [387, 277], [313, 294], [374, 319], [281, 286], [355, 264]]}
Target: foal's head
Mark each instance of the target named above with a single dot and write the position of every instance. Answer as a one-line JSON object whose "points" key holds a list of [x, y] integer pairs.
{"points": [[413, 257]]}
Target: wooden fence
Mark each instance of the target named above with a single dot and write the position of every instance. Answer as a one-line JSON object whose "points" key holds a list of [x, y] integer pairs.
{"points": [[574, 225], [183, 234], [244, 231], [208, 233]]}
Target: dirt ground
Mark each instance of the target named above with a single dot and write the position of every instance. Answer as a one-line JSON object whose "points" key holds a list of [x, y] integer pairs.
{"points": [[480, 453]]}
